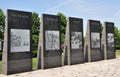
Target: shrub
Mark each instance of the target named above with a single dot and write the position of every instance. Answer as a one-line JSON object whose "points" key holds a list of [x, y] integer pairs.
{"points": [[34, 53]]}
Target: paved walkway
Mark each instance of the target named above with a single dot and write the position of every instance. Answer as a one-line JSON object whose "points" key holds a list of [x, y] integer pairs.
{"points": [[105, 68]]}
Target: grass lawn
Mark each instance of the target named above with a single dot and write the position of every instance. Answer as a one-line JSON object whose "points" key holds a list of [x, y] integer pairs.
{"points": [[117, 52], [0, 67], [35, 61]]}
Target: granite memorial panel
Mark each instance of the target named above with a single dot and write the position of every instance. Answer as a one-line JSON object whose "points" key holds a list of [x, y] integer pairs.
{"points": [[74, 45], [17, 49], [108, 41], [49, 48], [93, 41]]}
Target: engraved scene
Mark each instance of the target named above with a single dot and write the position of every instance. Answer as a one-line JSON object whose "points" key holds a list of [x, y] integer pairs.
{"points": [[20, 40], [52, 40], [110, 39], [95, 40], [76, 40]]}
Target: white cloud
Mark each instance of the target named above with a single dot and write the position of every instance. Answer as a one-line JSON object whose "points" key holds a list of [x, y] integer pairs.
{"points": [[117, 18], [79, 6], [88, 9], [56, 7]]}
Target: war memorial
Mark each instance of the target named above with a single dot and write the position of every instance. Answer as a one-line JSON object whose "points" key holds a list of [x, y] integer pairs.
{"points": [[17, 48]]}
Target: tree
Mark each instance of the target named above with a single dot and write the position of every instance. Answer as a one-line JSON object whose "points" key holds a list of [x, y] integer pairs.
{"points": [[2, 24], [101, 28], [63, 25], [35, 23], [35, 29], [117, 37]]}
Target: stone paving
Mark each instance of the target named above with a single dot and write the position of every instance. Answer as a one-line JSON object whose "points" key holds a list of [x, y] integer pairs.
{"points": [[104, 68]]}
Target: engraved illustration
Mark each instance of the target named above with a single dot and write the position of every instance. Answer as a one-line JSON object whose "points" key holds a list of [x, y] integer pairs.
{"points": [[52, 40], [0, 45], [95, 40], [20, 40], [110, 39], [76, 40]]}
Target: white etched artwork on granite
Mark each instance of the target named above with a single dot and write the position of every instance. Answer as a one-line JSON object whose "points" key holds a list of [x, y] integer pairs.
{"points": [[20, 40], [95, 40], [110, 39], [52, 40], [76, 40]]}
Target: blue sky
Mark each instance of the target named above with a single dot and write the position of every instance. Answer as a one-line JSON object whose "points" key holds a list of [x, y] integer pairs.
{"points": [[103, 10]]}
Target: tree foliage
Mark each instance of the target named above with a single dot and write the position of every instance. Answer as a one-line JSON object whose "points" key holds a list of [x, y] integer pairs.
{"points": [[35, 23], [2, 24], [117, 37], [35, 29], [63, 25], [101, 28]]}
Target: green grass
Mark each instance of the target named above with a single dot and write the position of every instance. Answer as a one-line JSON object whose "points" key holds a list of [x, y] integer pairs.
{"points": [[34, 62], [0, 67], [117, 52]]}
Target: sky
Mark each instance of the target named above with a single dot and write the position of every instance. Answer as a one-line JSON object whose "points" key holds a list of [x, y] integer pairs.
{"points": [[102, 10]]}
